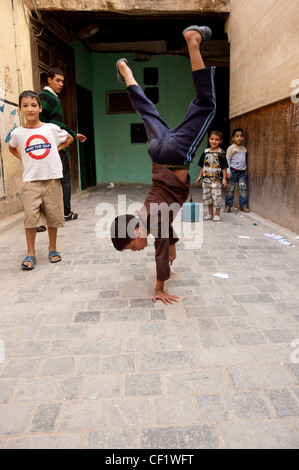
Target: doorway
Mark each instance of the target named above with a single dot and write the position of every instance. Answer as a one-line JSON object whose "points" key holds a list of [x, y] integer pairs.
{"points": [[85, 126]]}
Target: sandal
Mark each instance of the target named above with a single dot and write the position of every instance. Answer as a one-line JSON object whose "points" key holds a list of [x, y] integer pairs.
{"points": [[205, 32], [52, 254], [29, 259], [120, 78]]}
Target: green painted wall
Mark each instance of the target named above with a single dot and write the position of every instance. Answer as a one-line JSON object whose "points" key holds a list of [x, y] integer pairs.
{"points": [[117, 159]]}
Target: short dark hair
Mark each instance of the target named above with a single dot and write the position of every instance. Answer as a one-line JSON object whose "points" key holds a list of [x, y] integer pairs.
{"points": [[29, 94], [218, 133], [122, 230], [237, 130], [54, 71]]}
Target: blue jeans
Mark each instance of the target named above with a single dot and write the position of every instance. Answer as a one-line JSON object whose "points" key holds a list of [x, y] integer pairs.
{"points": [[240, 178], [66, 181]]}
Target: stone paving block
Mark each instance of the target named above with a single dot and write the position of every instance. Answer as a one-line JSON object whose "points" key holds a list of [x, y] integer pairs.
{"points": [[87, 317], [52, 441], [169, 360], [45, 417], [247, 338], [224, 356], [88, 365], [143, 384], [96, 346], [175, 410], [153, 328], [112, 439], [195, 381], [100, 386], [279, 336], [14, 418], [260, 377], [80, 416], [246, 405], [180, 327], [129, 412], [118, 364], [59, 348], [259, 435], [232, 324], [142, 343], [58, 366], [7, 387], [211, 408], [207, 311], [121, 315], [202, 436], [35, 390], [62, 332], [283, 403], [216, 339], [23, 349], [270, 353], [17, 368], [168, 343], [69, 388], [252, 298]]}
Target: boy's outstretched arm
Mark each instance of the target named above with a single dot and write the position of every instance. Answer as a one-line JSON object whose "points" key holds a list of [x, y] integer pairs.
{"points": [[161, 295], [199, 178], [69, 140]]}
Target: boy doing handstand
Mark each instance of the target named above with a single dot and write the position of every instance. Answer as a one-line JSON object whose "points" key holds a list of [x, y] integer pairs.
{"points": [[171, 151]]}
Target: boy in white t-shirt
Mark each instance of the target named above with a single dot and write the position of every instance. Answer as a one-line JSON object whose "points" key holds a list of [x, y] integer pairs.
{"points": [[37, 145]]}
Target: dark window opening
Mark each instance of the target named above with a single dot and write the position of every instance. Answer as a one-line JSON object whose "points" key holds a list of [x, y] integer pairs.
{"points": [[118, 102]]}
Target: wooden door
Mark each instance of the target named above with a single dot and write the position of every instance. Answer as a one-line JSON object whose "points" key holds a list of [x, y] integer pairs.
{"points": [[49, 51]]}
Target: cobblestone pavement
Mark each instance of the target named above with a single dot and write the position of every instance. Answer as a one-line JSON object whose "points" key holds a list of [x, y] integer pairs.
{"points": [[89, 361]]}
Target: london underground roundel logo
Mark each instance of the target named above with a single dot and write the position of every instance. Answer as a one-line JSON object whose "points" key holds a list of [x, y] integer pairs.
{"points": [[38, 147]]}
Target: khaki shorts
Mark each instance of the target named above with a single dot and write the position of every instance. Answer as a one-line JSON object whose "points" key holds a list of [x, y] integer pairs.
{"points": [[43, 199]]}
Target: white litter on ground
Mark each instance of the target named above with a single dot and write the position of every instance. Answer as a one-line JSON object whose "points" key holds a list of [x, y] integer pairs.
{"points": [[279, 238], [222, 276]]}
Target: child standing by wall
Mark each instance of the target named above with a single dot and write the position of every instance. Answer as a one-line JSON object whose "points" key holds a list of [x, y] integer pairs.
{"points": [[37, 145], [237, 172], [213, 170]]}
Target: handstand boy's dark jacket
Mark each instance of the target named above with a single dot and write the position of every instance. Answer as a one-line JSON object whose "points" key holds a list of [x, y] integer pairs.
{"points": [[167, 191]]}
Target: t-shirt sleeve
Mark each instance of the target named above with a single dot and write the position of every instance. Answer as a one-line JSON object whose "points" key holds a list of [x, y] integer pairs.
{"points": [[13, 142], [223, 161], [201, 160], [60, 135]]}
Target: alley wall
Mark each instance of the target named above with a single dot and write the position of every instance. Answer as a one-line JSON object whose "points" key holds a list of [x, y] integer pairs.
{"points": [[264, 90], [15, 76]]}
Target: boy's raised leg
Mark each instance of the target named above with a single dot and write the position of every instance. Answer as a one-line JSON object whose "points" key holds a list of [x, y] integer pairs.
{"points": [[126, 72], [194, 40]]}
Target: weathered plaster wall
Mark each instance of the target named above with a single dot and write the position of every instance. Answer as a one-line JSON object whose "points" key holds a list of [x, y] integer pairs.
{"points": [[264, 73], [264, 38], [15, 76], [137, 7]]}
